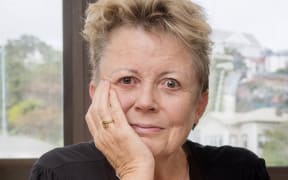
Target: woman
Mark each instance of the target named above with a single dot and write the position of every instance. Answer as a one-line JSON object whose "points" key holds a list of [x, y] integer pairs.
{"points": [[149, 88]]}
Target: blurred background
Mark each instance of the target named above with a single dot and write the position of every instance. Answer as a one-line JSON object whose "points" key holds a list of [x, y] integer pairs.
{"points": [[42, 106]]}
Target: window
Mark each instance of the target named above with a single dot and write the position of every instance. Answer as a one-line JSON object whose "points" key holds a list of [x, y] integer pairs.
{"points": [[75, 85], [249, 78], [31, 83], [75, 96], [31, 78]]}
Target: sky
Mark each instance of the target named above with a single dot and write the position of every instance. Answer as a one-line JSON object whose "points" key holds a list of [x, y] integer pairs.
{"points": [[42, 18], [267, 20]]}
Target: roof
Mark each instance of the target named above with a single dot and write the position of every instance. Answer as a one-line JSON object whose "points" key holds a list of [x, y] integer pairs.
{"points": [[220, 36], [263, 115]]}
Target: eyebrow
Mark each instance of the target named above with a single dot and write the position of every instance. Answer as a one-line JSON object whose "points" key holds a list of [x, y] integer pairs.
{"points": [[168, 72], [136, 72], [124, 69]]}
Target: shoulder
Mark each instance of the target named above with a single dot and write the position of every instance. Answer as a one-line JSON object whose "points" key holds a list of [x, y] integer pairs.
{"points": [[79, 161], [223, 156], [226, 162], [78, 153]]}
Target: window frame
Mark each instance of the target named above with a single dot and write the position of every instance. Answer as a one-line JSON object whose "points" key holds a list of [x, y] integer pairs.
{"points": [[76, 73], [75, 92]]}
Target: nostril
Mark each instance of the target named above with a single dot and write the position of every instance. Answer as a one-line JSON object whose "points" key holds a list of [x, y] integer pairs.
{"points": [[146, 108], [146, 101]]}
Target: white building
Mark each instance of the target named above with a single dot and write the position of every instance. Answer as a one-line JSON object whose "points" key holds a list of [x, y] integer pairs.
{"points": [[237, 129], [223, 125], [276, 62], [245, 44]]}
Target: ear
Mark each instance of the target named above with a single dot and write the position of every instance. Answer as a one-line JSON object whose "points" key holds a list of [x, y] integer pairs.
{"points": [[92, 88], [202, 104]]}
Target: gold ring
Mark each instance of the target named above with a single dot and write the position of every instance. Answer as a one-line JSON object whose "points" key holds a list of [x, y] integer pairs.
{"points": [[105, 124]]}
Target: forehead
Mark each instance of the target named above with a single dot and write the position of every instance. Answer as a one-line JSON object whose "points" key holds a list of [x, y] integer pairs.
{"points": [[130, 47], [138, 39]]}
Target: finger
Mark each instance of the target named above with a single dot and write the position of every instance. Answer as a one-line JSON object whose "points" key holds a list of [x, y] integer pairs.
{"points": [[116, 108], [92, 119], [97, 93], [103, 106], [92, 126], [93, 111]]}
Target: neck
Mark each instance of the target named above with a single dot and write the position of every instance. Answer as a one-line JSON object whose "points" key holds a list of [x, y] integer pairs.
{"points": [[175, 166]]}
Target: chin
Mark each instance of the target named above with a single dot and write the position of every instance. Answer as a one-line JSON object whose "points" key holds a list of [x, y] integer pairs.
{"points": [[157, 148]]}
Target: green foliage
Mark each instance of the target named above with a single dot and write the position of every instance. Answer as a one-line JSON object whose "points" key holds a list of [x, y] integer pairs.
{"points": [[21, 109], [34, 89], [275, 150], [283, 71], [43, 123], [23, 57]]}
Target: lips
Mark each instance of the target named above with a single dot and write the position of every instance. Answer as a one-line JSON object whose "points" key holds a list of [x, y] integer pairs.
{"points": [[146, 129]]}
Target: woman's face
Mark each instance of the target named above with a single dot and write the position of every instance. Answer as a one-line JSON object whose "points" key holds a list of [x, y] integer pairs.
{"points": [[156, 84]]}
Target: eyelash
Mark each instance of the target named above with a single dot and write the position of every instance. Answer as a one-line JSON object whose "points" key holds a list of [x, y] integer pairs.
{"points": [[133, 81], [122, 79], [177, 84]]}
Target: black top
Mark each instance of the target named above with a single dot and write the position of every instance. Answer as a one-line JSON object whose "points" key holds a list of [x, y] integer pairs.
{"points": [[84, 162]]}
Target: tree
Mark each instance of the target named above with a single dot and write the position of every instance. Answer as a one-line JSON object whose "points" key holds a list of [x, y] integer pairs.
{"points": [[275, 150], [20, 71], [34, 89]]}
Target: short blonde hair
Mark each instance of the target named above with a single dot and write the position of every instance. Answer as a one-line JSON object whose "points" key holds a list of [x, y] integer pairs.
{"points": [[183, 18]]}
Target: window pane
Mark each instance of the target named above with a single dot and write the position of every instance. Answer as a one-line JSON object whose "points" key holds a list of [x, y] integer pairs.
{"points": [[31, 77], [249, 78]]}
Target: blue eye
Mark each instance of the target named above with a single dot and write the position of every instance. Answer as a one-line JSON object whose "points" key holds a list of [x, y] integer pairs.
{"points": [[171, 83]]}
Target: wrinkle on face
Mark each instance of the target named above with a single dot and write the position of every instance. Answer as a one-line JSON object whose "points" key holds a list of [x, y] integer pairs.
{"points": [[152, 57]]}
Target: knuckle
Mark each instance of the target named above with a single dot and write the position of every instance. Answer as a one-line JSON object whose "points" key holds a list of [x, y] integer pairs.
{"points": [[87, 116]]}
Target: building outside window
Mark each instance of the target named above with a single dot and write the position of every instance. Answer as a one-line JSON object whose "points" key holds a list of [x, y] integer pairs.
{"points": [[249, 78], [248, 86]]}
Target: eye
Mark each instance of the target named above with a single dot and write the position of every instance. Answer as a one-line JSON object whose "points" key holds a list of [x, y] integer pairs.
{"points": [[171, 83], [127, 81]]}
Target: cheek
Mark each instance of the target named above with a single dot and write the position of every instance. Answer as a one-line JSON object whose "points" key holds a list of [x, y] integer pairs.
{"points": [[182, 110], [126, 99]]}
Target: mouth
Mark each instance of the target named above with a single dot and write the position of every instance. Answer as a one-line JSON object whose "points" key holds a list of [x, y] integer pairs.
{"points": [[146, 129]]}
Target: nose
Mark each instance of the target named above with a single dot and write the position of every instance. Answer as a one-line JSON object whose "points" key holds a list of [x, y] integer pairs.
{"points": [[146, 100]]}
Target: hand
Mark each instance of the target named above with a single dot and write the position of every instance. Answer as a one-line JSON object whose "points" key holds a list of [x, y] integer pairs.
{"points": [[123, 148]]}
